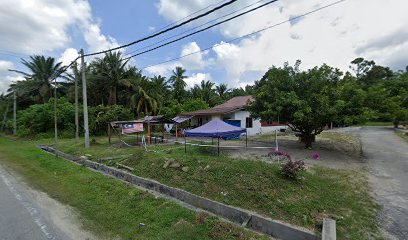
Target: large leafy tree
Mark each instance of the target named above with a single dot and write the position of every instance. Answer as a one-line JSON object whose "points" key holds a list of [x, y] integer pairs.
{"points": [[306, 100], [38, 81], [178, 83]]}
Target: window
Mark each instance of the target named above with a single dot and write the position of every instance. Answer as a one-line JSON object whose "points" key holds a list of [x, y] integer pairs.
{"points": [[248, 122], [200, 121]]}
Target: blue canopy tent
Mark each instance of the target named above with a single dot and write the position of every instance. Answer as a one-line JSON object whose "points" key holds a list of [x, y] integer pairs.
{"points": [[215, 128]]}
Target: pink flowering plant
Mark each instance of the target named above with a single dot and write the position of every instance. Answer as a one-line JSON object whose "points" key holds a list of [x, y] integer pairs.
{"points": [[292, 168], [279, 155], [316, 156]]}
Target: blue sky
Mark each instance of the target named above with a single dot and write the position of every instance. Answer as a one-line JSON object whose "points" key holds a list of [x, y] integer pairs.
{"points": [[335, 35]]}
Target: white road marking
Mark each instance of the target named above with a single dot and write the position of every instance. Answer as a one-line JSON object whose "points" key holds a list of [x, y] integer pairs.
{"points": [[28, 206]]}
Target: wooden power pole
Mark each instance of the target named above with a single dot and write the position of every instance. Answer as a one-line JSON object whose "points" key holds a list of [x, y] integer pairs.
{"points": [[14, 113], [85, 100], [76, 103]]}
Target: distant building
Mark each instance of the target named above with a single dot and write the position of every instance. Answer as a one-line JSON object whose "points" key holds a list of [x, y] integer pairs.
{"points": [[233, 112]]}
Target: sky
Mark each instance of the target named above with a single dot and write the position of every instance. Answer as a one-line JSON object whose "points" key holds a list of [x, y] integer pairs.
{"points": [[374, 29]]}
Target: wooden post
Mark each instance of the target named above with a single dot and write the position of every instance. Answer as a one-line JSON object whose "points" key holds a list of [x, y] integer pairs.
{"points": [[176, 132], [109, 133], [84, 100], [148, 133], [120, 135], [185, 143], [76, 104], [55, 117], [218, 146], [14, 113]]}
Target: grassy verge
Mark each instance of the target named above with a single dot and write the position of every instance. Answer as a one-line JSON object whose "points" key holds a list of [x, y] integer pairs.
{"points": [[402, 135], [375, 124], [109, 207], [258, 186]]}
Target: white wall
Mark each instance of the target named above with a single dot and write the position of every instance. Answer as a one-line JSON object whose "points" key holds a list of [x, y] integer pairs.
{"points": [[240, 115]]}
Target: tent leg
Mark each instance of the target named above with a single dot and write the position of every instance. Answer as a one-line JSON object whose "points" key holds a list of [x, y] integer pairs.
{"points": [[218, 146], [246, 139], [185, 143], [148, 133]]}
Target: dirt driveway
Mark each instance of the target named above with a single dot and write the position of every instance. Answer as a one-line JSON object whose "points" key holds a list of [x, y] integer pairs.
{"points": [[387, 158]]}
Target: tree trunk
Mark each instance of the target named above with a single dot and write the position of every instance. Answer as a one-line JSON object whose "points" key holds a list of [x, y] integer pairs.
{"points": [[308, 139]]}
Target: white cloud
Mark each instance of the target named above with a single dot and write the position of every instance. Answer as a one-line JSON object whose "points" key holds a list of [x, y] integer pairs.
{"points": [[163, 69], [44, 26], [6, 80], [373, 29], [68, 56], [196, 78], [6, 65], [38, 26], [194, 61]]}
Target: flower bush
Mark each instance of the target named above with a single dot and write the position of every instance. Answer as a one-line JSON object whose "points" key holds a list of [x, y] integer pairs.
{"points": [[279, 154], [292, 169], [316, 156]]}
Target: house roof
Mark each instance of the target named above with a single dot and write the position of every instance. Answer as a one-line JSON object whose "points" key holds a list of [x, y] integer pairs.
{"points": [[232, 105]]}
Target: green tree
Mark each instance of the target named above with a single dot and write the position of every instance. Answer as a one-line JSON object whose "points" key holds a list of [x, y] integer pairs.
{"points": [[222, 90], [39, 81], [110, 72], [178, 83], [306, 100]]}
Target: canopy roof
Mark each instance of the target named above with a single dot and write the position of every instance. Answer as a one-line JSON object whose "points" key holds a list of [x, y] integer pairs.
{"points": [[181, 119], [215, 128], [232, 105], [155, 120]]}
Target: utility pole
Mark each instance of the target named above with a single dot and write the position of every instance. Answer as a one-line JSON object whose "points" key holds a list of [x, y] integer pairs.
{"points": [[76, 103], [14, 113], [55, 117], [85, 100]]}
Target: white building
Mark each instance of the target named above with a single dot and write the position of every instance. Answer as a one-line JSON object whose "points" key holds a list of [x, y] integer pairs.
{"points": [[233, 112]]}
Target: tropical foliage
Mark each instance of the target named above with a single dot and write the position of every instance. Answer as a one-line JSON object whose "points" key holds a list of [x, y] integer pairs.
{"points": [[312, 99], [308, 100]]}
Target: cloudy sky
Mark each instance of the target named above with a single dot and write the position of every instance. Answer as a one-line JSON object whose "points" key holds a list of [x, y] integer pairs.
{"points": [[373, 29]]}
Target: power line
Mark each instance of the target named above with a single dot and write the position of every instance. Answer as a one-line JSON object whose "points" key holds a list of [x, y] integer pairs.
{"points": [[189, 30], [165, 30], [200, 10], [201, 30], [250, 34]]}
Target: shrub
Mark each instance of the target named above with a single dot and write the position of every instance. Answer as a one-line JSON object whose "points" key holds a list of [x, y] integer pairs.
{"points": [[274, 154], [292, 169], [102, 115]]}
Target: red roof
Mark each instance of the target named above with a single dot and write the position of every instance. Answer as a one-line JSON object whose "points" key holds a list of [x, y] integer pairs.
{"points": [[232, 105]]}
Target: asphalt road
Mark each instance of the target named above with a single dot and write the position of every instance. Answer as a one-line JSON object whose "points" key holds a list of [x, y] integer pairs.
{"points": [[20, 217], [387, 157]]}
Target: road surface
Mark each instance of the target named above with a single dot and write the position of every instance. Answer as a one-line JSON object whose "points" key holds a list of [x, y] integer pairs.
{"points": [[20, 216], [387, 157]]}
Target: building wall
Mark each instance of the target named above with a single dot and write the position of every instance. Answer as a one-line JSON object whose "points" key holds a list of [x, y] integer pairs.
{"points": [[241, 116]]}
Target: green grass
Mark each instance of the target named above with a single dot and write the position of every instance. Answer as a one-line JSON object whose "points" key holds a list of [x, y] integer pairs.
{"points": [[110, 207], [375, 124], [402, 135], [257, 186]]}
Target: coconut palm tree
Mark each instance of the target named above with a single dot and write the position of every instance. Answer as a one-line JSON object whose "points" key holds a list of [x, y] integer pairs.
{"points": [[178, 83], [111, 72], [222, 90], [39, 79], [144, 96]]}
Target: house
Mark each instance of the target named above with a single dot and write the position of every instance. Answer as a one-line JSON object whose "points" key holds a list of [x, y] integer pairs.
{"points": [[233, 112]]}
